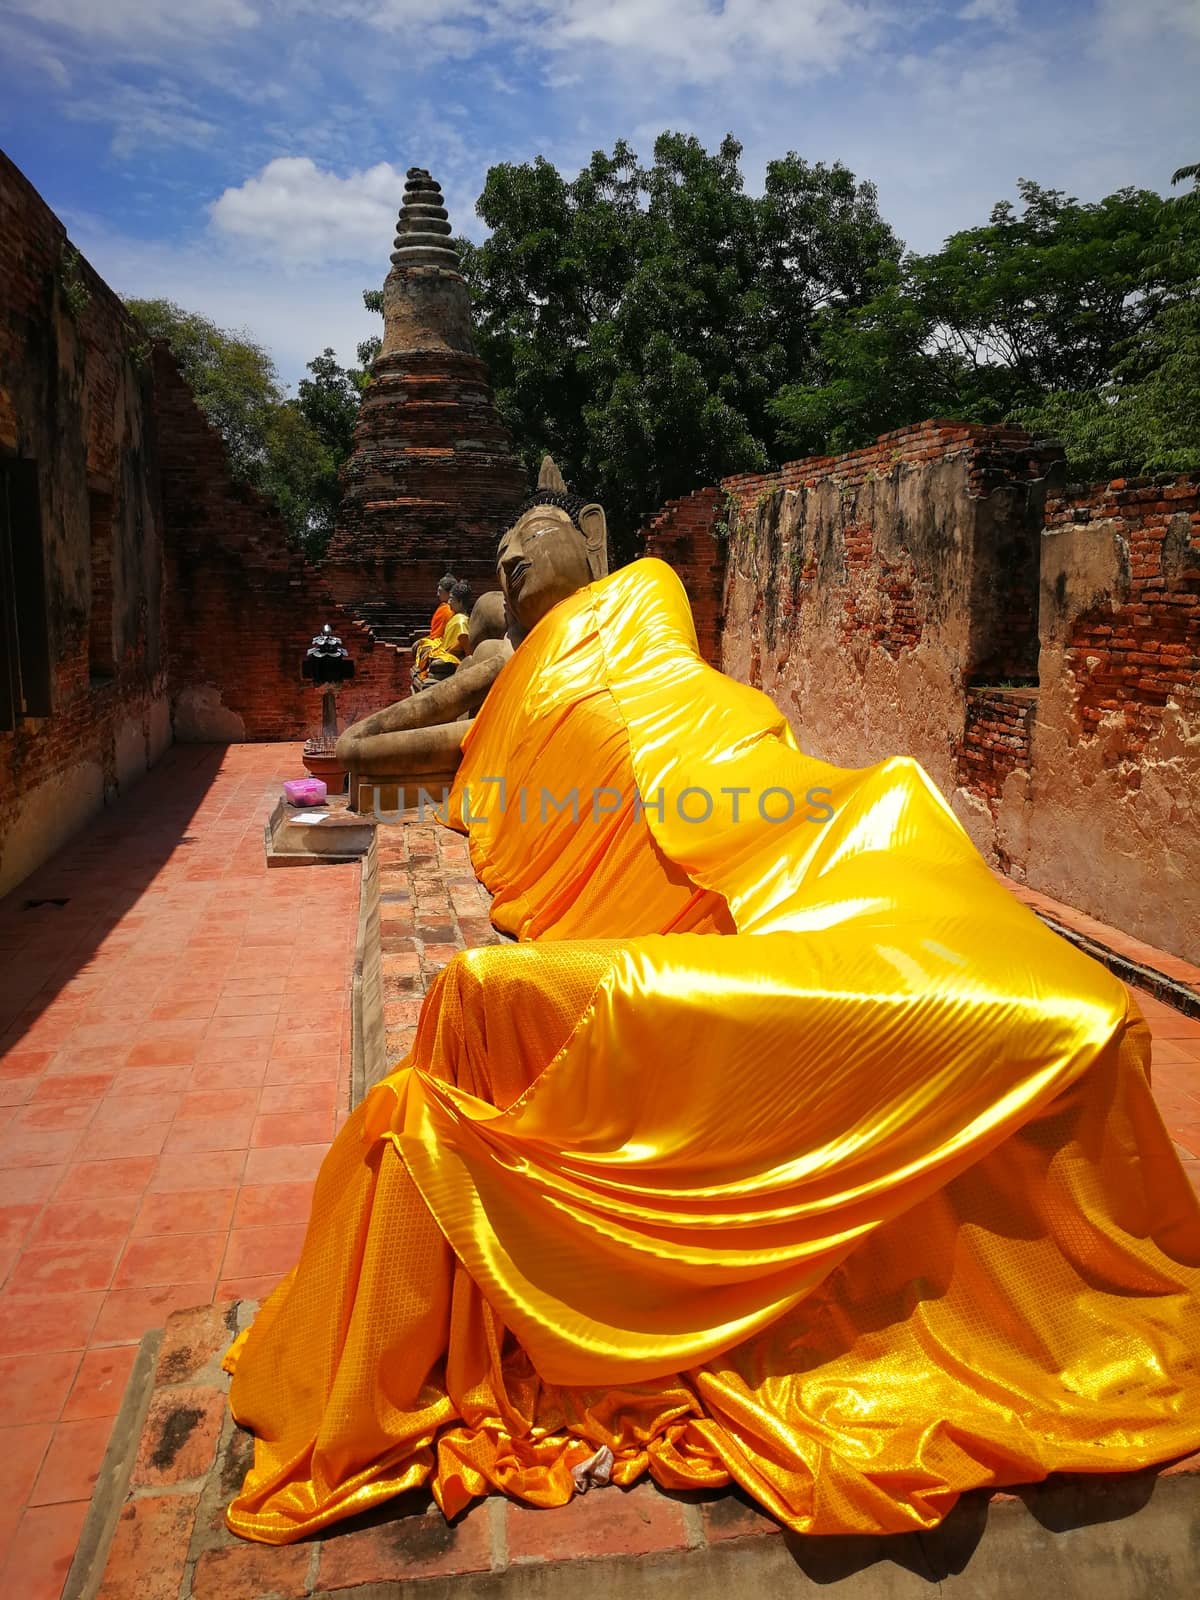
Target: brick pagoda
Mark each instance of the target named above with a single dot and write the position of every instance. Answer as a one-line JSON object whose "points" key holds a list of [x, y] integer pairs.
{"points": [[432, 480]]}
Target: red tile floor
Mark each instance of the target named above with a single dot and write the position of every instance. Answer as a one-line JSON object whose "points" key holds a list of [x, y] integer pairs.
{"points": [[174, 1045]]}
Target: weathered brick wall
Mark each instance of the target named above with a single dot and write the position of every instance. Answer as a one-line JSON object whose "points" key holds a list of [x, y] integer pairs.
{"points": [[867, 592], [690, 535], [1104, 814], [996, 739], [74, 399], [244, 604], [941, 595]]}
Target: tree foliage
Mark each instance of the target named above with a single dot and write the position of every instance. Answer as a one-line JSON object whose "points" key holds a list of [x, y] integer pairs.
{"points": [[1079, 320], [639, 320]]}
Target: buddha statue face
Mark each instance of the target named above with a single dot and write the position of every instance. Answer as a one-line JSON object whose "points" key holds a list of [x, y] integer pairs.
{"points": [[546, 556], [542, 559]]}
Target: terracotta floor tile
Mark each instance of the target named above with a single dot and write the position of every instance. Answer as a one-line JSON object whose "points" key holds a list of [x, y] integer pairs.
{"points": [[248, 1288], [41, 1551], [168, 1052], [247, 1005], [273, 1205], [208, 1133], [25, 1063], [129, 1313], [85, 1180], [72, 1462], [99, 1384], [90, 1222], [34, 1388], [84, 1086], [136, 1110], [300, 1067], [208, 1169], [185, 1211], [291, 1128], [38, 1147], [228, 1101], [251, 1252], [113, 1141], [285, 1164], [170, 1258], [165, 1081], [276, 1097], [75, 1112], [47, 1322], [207, 1076], [22, 1451], [236, 1051], [18, 1091], [28, 1185], [61, 1268]]}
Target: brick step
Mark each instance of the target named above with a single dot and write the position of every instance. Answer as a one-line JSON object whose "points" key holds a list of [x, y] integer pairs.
{"points": [[156, 1526]]}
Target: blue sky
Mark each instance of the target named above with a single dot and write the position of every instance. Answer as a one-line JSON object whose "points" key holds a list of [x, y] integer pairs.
{"points": [[246, 157]]}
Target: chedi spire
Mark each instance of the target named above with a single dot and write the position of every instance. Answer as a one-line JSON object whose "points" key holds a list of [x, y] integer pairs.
{"points": [[432, 480], [423, 229]]}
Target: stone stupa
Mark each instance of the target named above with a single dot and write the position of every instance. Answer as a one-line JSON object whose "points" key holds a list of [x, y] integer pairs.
{"points": [[432, 480]]}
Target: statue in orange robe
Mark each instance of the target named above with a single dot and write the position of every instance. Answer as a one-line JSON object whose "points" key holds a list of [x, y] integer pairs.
{"points": [[784, 1147]]}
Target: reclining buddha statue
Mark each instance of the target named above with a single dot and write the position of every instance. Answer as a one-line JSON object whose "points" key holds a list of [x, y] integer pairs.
{"points": [[780, 1146]]}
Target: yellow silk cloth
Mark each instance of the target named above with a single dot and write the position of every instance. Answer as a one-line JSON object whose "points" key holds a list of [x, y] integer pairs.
{"points": [[796, 1153]]}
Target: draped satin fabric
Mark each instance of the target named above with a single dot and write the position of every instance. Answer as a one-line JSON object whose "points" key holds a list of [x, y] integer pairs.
{"points": [[783, 1149]]}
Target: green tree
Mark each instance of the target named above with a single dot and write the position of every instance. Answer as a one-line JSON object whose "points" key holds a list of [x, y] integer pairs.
{"points": [[639, 320], [1075, 319], [1144, 416]]}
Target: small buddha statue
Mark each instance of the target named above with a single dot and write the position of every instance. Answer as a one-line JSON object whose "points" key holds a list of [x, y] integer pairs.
{"points": [[556, 546]]}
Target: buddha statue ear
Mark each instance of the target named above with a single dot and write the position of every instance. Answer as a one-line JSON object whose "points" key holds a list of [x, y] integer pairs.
{"points": [[594, 524]]}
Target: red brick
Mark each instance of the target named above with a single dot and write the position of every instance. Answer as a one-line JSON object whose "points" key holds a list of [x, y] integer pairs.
{"points": [[179, 1438], [191, 1340], [603, 1522], [149, 1548], [407, 1546], [734, 1516], [253, 1572]]}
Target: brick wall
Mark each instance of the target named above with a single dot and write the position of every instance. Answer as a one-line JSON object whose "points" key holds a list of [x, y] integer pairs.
{"points": [[690, 534], [74, 400], [1107, 817], [868, 592], [244, 604]]}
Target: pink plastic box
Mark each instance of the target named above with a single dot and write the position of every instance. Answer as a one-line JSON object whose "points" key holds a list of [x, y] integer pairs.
{"points": [[304, 792]]}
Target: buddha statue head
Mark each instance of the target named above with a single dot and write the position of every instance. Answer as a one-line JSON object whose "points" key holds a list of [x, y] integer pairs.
{"points": [[556, 546]]}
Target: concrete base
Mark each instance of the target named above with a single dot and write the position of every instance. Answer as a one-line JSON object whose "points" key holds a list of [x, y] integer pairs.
{"points": [[302, 836], [388, 798]]}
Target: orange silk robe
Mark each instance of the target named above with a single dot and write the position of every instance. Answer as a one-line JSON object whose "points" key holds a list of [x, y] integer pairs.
{"points": [[796, 1153], [440, 618]]}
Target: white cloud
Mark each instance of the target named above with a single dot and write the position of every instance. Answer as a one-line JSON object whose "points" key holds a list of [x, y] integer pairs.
{"points": [[144, 118], [798, 38], [1001, 13], [294, 210], [129, 23], [1122, 22]]}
